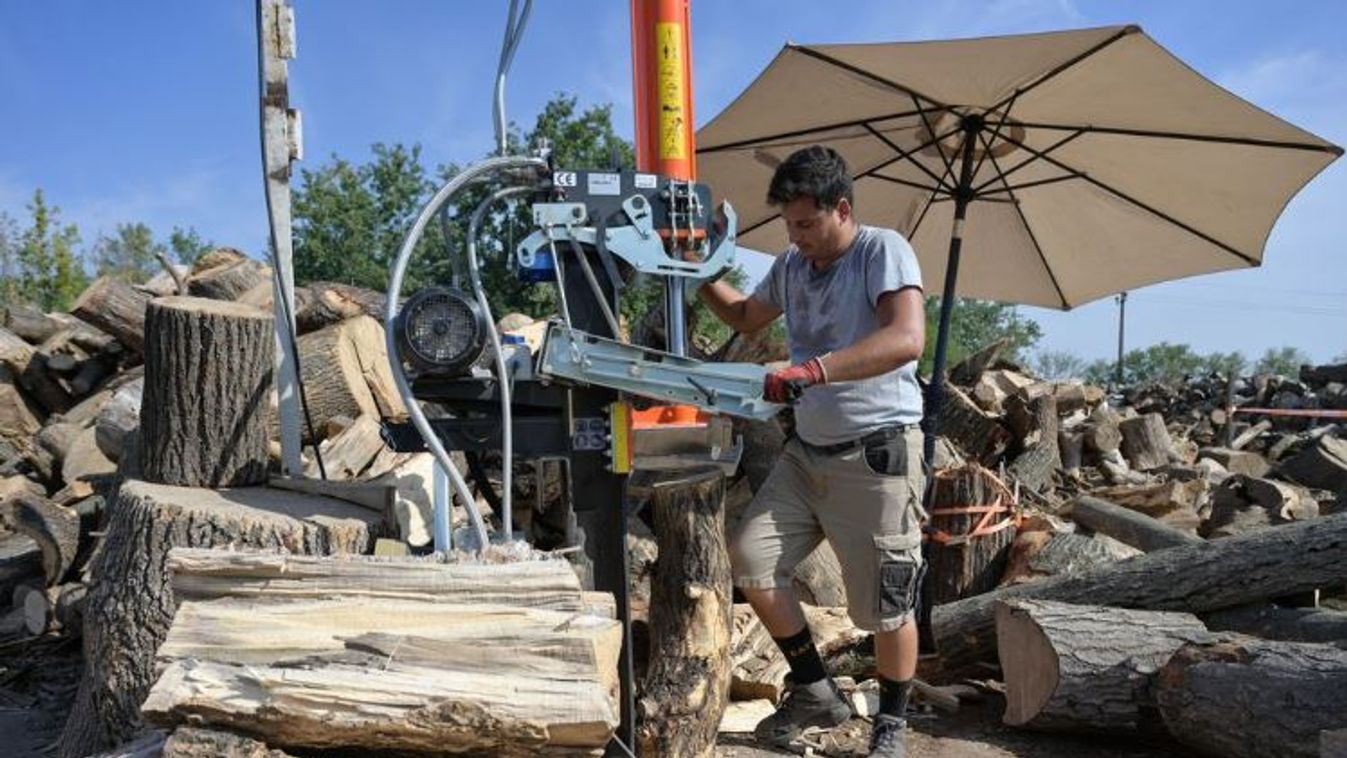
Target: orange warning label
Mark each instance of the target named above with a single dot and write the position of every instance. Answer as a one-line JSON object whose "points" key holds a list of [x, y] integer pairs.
{"points": [[673, 125]]}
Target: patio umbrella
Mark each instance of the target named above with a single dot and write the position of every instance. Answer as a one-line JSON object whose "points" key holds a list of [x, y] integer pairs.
{"points": [[1075, 164]]}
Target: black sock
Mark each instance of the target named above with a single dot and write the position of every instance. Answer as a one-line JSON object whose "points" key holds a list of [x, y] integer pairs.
{"points": [[806, 667], [893, 696]]}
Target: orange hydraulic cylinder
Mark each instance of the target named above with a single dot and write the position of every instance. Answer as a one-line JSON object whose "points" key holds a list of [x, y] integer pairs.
{"points": [[661, 57]]}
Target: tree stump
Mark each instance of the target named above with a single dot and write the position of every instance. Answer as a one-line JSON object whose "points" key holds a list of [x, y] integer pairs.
{"points": [[1146, 443], [130, 603], [1249, 697], [1085, 668], [972, 530], [208, 371], [687, 684]]}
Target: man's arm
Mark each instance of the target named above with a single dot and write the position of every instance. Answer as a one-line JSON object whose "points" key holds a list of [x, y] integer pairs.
{"points": [[900, 338], [743, 313]]}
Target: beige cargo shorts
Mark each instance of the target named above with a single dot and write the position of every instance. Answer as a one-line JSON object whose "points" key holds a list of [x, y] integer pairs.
{"points": [[866, 502]]}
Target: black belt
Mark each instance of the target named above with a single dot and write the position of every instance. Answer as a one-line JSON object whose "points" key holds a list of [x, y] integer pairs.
{"points": [[877, 437]]}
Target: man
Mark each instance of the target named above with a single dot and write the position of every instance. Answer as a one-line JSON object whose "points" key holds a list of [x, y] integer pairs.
{"points": [[852, 296]]}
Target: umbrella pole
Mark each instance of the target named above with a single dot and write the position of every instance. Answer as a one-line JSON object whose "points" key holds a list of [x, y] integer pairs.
{"points": [[963, 195]]}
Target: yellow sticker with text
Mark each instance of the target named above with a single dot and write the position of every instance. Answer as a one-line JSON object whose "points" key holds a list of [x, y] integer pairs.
{"points": [[673, 125]]}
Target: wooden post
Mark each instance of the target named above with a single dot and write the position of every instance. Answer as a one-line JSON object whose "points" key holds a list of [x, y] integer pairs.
{"points": [[203, 421], [687, 684]]}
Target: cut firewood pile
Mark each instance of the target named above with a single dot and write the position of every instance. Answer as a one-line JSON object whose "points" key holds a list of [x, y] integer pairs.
{"points": [[1127, 562]]}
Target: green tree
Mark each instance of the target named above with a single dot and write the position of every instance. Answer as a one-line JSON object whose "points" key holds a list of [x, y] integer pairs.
{"points": [[1284, 361], [1059, 364], [187, 245], [10, 284], [975, 324], [51, 274], [131, 254]]}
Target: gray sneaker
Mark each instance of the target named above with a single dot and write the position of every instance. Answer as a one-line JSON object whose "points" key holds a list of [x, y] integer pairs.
{"points": [[802, 706], [887, 737]]}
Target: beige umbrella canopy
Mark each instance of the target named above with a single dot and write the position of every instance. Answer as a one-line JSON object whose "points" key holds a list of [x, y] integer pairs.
{"points": [[1087, 162]]}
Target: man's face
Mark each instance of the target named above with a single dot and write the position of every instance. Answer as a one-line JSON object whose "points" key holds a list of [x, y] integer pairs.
{"points": [[818, 233]]}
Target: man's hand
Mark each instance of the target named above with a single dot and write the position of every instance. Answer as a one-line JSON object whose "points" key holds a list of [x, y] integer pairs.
{"points": [[786, 385]]}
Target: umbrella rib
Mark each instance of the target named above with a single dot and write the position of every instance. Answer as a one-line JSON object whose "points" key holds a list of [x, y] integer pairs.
{"points": [[1249, 141], [907, 154], [996, 131], [870, 75], [1061, 296], [1026, 185], [1050, 148], [804, 132], [1078, 58], [1153, 211], [922, 216], [903, 182]]}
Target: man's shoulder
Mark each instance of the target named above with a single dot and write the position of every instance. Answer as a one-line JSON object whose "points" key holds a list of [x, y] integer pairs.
{"points": [[883, 237]]}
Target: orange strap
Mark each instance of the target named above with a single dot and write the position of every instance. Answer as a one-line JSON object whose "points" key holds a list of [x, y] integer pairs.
{"points": [[1005, 502]]}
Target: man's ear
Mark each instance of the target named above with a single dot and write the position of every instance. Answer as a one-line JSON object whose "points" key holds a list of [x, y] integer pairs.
{"points": [[844, 210]]}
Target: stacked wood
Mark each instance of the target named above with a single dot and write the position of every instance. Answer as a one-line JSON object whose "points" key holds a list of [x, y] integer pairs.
{"points": [[1322, 465], [25, 366], [972, 523], [966, 372], [130, 603], [1035, 422], [226, 275], [1286, 694], [1136, 529], [117, 308], [973, 430], [501, 659], [687, 682], [208, 369], [1085, 667], [345, 371], [1195, 578], [759, 667]]}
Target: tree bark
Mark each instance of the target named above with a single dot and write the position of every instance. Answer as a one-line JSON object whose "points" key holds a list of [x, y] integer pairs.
{"points": [[208, 371], [1195, 578], [1285, 694], [972, 429], [346, 372], [1146, 443], [1083, 667], [323, 303], [687, 683], [1135, 529], [130, 603], [230, 281], [1036, 465], [55, 529], [1272, 622], [117, 308], [959, 563], [28, 368]]}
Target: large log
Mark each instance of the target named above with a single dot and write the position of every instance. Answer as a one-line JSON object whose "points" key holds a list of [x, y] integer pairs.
{"points": [[1272, 622], [1322, 465], [130, 602], [115, 307], [208, 371], [346, 372], [1146, 442], [1133, 528], [1285, 694], [962, 559], [1196, 578], [1085, 668], [322, 303], [687, 683]]}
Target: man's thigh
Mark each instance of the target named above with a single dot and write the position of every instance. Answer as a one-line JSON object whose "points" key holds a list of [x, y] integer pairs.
{"points": [[872, 516], [778, 529]]}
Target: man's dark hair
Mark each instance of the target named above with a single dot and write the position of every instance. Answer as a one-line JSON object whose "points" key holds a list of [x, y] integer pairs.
{"points": [[815, 171]]}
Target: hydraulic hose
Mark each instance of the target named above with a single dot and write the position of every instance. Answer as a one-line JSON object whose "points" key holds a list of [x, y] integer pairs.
{"points": [[502, 375], [471, 174]]}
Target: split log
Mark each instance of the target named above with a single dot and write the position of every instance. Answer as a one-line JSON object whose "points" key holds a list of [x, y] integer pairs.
{"points": [[759, 667], [1322, 465], [1071, 446], [114, 306], [687, 683], [119, 418], [1196, 578], [1173, 502], [1136, 529], [1250, 434], [322, 303], [30, 323], [1085, 668], [1101, 437], [349, 453], [25, 364], [130, 604], [1036, 420], [966, 372], [83, 461], [230, 280], [55, 529], [1237, 461], [1075, 552], [20, 418], [1146, 443], [208, 371], [962, 559], [972, 429], [1285, 694], [346, 372], [20, 562], [1272, 622]]}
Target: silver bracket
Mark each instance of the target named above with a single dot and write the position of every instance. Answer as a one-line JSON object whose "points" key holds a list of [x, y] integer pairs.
{"points": [[637, 243], [732, 388]]}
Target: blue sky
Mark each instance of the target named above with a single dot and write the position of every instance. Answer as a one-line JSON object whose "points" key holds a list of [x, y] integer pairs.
{"points": [[147, 111]]}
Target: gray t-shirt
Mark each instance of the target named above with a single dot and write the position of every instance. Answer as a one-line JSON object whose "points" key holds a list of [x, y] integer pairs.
{"points": [[829, 310]]}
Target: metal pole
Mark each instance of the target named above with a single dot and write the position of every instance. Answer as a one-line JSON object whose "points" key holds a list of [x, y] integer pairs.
{"points": [[675, 317], [1122, 321], [962, 196]]}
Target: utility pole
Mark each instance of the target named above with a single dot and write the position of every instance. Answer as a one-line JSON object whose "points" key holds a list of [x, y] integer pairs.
{"points": [[1122, 322]]}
